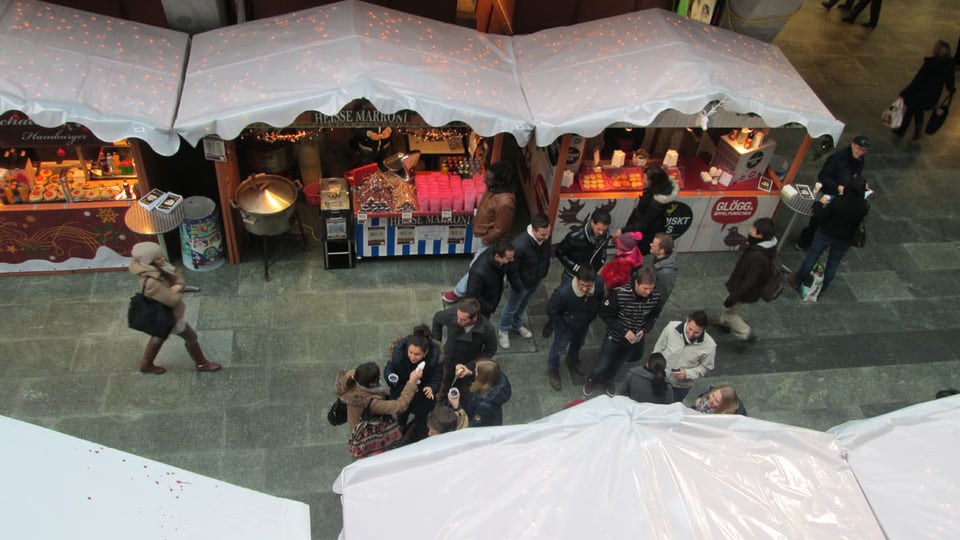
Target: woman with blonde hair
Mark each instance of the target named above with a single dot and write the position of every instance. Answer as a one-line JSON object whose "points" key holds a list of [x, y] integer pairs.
{"points": [[488, 392], [721, 399]]}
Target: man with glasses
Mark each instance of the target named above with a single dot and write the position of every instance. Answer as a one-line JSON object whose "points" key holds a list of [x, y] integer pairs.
{"points": [[837, 171]]}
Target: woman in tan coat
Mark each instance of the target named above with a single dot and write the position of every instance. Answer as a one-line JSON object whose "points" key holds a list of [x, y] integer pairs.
{"points": [[160, 281], [357, 387]]}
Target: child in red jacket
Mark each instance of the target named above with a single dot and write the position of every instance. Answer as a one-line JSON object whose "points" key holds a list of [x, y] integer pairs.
{"points": [[616, 272]]}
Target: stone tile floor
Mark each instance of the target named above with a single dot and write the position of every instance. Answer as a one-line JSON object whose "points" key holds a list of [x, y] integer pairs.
{"points": [[878, 341]]}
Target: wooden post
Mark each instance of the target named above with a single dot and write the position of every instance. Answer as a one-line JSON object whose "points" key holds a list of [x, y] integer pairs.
{"points": [[554, 205], [228, 179]]}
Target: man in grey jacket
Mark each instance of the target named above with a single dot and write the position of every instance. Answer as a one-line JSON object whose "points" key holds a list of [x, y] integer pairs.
{"points": [[689, 350], [665, 263]]}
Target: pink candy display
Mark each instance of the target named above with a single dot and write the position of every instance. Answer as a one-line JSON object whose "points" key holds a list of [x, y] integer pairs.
{"points": [[437, 192]]}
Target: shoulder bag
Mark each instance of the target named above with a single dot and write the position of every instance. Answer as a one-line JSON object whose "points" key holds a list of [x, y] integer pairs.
{"points": [[375, 433], [938, 116], [149, 316], [860, 235], [337, 415]]}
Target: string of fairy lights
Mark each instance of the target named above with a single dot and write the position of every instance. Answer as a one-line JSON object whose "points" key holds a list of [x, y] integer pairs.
{"points": [[294, 135]]}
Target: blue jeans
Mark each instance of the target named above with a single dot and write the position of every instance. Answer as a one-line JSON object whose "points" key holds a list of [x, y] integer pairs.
{"points": [[679, 394], [821, 241], [612, 356], [460, 289], [562, 337], [511, 316]]}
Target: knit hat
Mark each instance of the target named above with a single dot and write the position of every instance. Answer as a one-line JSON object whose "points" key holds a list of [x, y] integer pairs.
{"points": [[146, 252], [628, 240]]}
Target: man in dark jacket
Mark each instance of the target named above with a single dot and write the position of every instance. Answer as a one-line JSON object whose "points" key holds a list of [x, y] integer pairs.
{"points": [[493, 219], [486, 276], [752, 270], [630, 313], [838, 170], [586, 246], [571, 309], [531, 262], [469, 336]]}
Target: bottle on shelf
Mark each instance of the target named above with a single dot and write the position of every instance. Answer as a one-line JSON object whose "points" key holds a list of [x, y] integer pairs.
{"points": [[748, 142], [102, 162], [127, 191], [116, 163]]}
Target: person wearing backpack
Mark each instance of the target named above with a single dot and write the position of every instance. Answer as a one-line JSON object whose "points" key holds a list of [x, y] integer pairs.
{"points": [[753, 271]]}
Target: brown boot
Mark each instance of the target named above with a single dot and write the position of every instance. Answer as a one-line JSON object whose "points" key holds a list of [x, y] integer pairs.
{"points": [[192, 344], [149, 355]]}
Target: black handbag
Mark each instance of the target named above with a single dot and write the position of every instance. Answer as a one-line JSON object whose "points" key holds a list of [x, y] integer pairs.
{"points": [[939, 116], [337, 415], [149, 316]]}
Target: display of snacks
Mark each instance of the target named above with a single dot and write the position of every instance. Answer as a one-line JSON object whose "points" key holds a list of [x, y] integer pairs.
{"points": [[384, 192], [619, 178]]}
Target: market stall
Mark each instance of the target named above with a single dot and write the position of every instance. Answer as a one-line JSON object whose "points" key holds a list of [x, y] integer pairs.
{"points": [[720, 101], [392, 82], [79, 94]]}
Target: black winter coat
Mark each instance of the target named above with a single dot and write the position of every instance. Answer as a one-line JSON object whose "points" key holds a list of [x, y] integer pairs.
{"points": [[748, 276], [924, 90], [400, 364], [840, 218], [531, 261], [580, 247], [839, 168], [650, 216], [574, 312], [485, 282]]}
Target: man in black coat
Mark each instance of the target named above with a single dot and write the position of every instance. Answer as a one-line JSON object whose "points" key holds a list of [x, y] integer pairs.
{"points": [[571, 309], [837, 170], [485, 282], [585, 246], [469, 336], [751, 272], [531, 262]]}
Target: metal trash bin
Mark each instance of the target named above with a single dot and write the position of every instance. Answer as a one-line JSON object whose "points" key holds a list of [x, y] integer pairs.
{"points": [[201, 241]]}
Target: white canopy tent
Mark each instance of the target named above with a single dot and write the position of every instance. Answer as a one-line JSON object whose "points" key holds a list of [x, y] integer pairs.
{"points": [[118, 78], [323, 58], [636, 69], [906, 463], [57, 486], [611, 468]]}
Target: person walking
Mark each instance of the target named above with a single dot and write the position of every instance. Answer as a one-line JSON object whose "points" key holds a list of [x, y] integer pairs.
{"points": [[493, 218], [571, 308], [840, 217], [923, 92], [531, 262], [851, 16], [630, 313], [751, 271], [161, 281], [837, 171]]}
